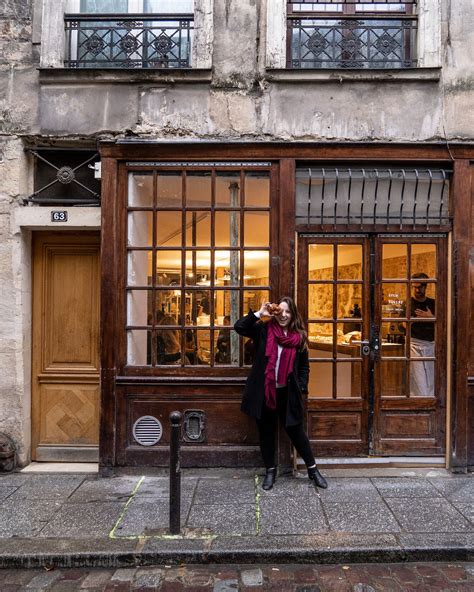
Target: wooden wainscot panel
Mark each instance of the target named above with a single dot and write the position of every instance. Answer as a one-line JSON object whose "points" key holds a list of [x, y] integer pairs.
{"points": [[406, 425], [224, 422], [336, 426]]}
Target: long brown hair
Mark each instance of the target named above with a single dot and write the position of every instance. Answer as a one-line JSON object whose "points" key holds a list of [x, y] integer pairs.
{"points": [[296, 322]]}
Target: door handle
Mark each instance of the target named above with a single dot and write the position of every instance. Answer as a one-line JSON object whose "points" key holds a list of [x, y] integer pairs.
{"points": [[364, 346]]}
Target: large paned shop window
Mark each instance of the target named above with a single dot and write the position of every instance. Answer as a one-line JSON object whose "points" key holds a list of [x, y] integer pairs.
{"points": [[351, 34], [197, 259], [129, 33]]}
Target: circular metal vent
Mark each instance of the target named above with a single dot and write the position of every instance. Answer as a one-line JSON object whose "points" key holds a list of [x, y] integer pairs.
{"points": [[147, 430]]}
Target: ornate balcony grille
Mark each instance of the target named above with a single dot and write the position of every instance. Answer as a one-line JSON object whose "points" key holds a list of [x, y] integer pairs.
{"points": [[128, 40], [351, 34]]}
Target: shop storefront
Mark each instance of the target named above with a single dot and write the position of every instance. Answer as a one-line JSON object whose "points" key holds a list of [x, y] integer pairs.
{"points": [[195, 236]]}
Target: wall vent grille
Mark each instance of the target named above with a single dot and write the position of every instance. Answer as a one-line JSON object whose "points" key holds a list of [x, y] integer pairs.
{"points": [[147, 430]]}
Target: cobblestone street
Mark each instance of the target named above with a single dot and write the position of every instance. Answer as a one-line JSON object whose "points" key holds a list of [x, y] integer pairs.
{"points": [[406, 577]]}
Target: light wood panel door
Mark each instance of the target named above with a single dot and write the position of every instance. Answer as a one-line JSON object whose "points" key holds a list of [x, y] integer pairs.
{"points": [[65, 356]]}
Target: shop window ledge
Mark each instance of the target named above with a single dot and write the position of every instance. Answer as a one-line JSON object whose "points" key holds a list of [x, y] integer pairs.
{"points": [[352, 75], [117, 75]]}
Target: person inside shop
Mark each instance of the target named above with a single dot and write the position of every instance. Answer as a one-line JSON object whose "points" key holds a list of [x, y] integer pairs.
{"points": [[277, 380], [168, 346], [422, 339], [223, 344]]}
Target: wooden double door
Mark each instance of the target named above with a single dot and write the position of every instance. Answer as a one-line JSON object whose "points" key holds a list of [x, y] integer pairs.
{"points": [[377, 325], [65, 347]]}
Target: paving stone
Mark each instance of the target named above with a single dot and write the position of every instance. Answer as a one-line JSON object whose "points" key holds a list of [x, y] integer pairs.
{"points": [[147, 515], [466, 509], [427, 515], [222, 491], [6, 490], [56, 487], [104, 490], [360, 517], [25, 518], [96, 579], [292, 516], [14, 479], [84, 520], [411, 488], [350, 490], [43, 581], [159, 487], [123, 575], [456, 489], [148, 578], [252, 577], [226, 586], [224, 519]]}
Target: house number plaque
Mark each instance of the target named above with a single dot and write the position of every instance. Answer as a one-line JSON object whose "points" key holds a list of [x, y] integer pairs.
{"points": [[58, 215]]}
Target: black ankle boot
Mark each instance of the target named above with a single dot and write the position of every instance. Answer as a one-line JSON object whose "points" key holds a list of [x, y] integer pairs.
{"points": [[269, 479], [317, 478]]}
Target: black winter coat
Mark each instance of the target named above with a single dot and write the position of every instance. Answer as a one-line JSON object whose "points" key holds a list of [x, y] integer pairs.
{"points": [[254, 393]]}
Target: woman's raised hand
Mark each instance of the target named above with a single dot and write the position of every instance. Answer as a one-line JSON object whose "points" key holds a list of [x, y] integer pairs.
{"points": [[264, 311]]}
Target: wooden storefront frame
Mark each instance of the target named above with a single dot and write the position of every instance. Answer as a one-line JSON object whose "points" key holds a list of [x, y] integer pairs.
{"points": [[460, 157]]}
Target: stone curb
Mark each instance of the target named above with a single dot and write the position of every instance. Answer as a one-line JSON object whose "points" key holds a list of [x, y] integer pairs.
{"points": [[249, 555]]}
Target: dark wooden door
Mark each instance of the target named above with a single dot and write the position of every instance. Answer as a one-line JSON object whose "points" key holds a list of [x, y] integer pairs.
{"points": [[376, 387]]}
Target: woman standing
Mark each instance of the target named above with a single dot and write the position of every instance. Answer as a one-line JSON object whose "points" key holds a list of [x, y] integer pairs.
{"points": [[277, 380]]}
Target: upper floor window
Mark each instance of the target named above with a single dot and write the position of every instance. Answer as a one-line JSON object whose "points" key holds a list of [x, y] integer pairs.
{"points": [[129, 33], [351, 34]]}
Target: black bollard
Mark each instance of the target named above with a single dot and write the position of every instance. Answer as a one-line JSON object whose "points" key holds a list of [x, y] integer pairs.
{"points": [[175, 473]]}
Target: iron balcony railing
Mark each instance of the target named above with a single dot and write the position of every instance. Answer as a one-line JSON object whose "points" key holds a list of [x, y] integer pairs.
{"points": [[128, 40], [335, 41]]}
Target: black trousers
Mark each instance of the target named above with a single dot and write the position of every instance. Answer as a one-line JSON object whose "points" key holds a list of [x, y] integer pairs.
{"points": [[267, 429]]}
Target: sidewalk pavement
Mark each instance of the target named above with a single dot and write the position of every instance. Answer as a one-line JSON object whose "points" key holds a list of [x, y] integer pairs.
{"points": [[366, 515]]}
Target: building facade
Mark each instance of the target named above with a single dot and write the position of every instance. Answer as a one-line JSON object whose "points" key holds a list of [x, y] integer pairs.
{"points": [[167, 166]]}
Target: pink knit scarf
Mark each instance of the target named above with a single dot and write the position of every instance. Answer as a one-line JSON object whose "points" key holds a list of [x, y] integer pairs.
{"points": [[289, 342]]}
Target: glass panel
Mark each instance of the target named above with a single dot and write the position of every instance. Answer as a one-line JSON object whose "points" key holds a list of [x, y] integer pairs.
{"points": [[422, 341], [203, 338], [198, 268], [201, 307], [198, 229], [227, 229], [226, 307], [191, 348], [352, 329], [320, 380], [168, 307], [198, 190], [170, 190], [227, 190], [423, 261], [346, 348], [253, 299], [256, 229], [349, 262], [393, 378], [320, 340], [320, 301], [349, 299], [348, 380], [168, 268], [138, 307], [226, 347], [168, 346], [256, 268], [422, 378], [103, 6], [394, 298], [321, 262], [394, 261], [138, 348], [140, 190], [168, 229], [140, 229], [257, 190], [169, 6], [227, 268], [139, 268], [393, 339], [423, 300]]}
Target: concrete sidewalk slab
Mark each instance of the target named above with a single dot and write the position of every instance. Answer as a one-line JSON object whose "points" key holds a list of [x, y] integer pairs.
{"points": [[82, 520]]}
